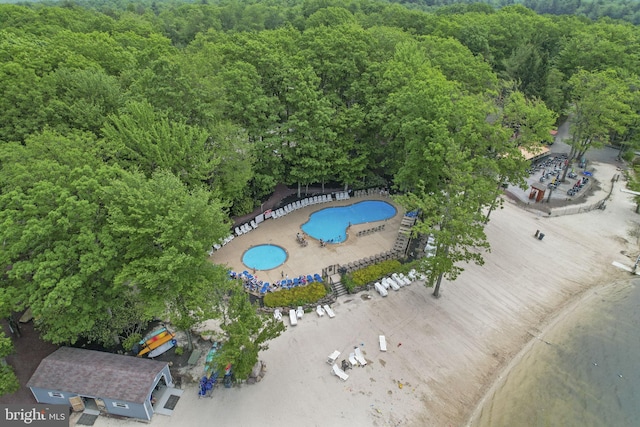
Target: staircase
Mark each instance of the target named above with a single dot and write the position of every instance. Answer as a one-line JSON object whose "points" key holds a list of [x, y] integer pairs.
{"points": [[339, 289], [402, 241]]}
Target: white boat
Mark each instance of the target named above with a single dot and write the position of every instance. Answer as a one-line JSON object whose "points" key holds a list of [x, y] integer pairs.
{"points": [[162, 349]]}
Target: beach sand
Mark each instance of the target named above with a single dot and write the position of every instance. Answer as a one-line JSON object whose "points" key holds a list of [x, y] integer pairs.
{"points": [[443, 354]]}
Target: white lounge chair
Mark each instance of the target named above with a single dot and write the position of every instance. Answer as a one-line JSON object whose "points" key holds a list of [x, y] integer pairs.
{"points": [[320, 311], [330, 312], [414, 275], [359, 357], [238, 231], [385, 283], [339, 372], [397, 279], [392, 283], [331, 359], [383, 342], [299, 312], [329, 198], [253, 224], [281, 212], [352, 359], [277, 314], [293, 318], [405, 279], [381, 290], [315, 200]]}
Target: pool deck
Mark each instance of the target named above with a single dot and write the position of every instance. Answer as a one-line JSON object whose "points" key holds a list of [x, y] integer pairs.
{"points": [[312, 258]]}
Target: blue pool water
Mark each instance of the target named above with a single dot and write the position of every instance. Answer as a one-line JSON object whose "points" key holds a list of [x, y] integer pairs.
{"points": [[331, 224], [264, 257]]}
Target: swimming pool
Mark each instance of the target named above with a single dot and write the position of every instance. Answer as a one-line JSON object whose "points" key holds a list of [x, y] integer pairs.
{"points": [[331, 224], [264, 257]]}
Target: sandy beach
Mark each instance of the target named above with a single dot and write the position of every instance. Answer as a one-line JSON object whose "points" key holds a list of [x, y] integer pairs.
{"points": [[443, 354]]}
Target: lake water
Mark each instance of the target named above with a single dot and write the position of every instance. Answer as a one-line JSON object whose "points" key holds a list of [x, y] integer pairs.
{"points": [[587, 374]]}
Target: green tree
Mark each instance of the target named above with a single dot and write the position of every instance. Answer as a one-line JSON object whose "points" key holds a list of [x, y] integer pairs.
{"points": [[85, 239], [307, 134], [8, 380], [440, 127], [143, 138], [600, 106], [246, 332]]}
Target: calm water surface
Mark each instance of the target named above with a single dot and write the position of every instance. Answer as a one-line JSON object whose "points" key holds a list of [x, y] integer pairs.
{"points": [[587, 375]]}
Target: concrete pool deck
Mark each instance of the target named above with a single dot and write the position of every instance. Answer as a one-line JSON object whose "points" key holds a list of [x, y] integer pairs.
{"points": [[312, 258]]}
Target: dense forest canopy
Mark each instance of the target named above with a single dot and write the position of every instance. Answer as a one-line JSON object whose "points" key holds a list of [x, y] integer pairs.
{"points": [[130, 133], [626, 10]]}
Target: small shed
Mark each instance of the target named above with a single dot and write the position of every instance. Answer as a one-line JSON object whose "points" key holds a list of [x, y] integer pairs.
{"points": [[537, 192], [116, 384]]}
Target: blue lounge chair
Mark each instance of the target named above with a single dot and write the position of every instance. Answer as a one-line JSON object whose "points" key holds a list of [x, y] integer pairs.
{"points": [[265, 288], [296, 282], [317, 277], [309, 278]]}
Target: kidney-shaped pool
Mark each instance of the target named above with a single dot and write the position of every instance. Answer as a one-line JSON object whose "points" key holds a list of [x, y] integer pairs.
{"points": [[331, 224]]}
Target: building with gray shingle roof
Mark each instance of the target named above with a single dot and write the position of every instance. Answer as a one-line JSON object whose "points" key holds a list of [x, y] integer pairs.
{"points": [[121, 385]]}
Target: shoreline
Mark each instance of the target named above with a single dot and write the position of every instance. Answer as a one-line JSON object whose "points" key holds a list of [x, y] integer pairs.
{"points": [[556, 322], [444, 355]]}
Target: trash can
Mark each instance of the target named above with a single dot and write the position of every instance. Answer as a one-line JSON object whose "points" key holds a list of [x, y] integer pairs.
{"points": [[540, 236]]}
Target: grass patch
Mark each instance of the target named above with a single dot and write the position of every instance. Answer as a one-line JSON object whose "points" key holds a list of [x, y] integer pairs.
{"points": [[300, 295], [370, 274]]}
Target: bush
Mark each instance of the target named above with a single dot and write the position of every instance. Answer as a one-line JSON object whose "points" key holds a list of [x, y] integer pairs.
{"points": [[300, 295], [179, 351], [374, 272], [8, 381], [130, 341], [348, 283], [629, 156]]}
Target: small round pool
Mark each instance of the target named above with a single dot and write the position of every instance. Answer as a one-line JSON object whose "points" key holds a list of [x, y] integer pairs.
{"points": [[264, 257], [331, 224]]}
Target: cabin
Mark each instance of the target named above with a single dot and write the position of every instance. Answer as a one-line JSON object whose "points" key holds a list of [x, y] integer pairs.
{"points": [[111, 383]]}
